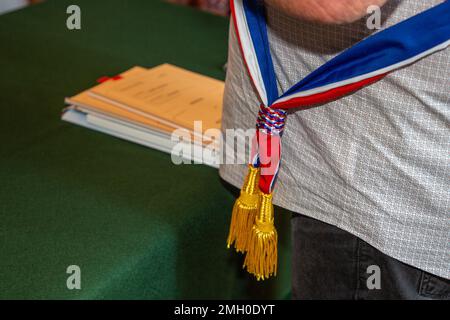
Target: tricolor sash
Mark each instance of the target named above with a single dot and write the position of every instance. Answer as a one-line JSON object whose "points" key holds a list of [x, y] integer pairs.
{"points": [[366, 62]]}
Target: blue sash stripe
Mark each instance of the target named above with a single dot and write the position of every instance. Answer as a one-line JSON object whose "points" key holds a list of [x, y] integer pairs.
{"points": [[398, 43], [256, 20], [394, 45]]}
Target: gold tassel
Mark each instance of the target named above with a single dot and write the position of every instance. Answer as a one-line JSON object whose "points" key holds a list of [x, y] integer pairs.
{"points": [[261, 258], [244, 211]]}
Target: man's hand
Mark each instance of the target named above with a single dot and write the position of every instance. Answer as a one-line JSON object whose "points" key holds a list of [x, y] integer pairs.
{"points": [[326, 11]]}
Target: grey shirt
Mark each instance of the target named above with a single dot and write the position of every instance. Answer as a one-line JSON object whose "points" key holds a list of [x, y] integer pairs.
{"points": [[375, 163]]}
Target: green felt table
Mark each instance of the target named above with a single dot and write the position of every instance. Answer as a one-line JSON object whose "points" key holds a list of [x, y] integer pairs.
{"points": [[138, 226]]}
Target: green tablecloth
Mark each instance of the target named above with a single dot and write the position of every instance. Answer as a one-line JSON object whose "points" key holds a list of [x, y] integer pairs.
{"points": [[138, 226]]}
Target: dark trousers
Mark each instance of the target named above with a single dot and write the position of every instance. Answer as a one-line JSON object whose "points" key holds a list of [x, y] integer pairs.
{"points": [[329, 263]]}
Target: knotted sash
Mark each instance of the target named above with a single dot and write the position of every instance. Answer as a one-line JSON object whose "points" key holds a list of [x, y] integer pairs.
{"points": [[363, 64]]}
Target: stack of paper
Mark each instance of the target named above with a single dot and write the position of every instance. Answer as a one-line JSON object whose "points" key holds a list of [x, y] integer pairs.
{"points": [[147, 106]]}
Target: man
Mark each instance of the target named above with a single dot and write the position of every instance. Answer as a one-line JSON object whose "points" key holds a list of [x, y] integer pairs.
{"points": [[367, 175]]}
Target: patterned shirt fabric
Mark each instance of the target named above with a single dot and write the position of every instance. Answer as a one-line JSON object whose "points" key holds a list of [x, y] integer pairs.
{"points": [[374, 163]]}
